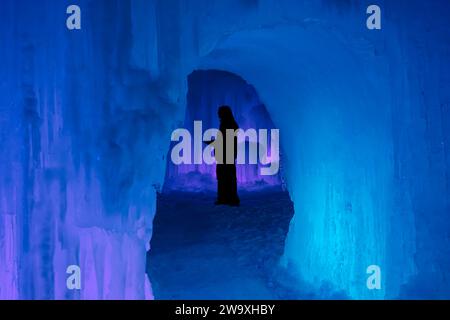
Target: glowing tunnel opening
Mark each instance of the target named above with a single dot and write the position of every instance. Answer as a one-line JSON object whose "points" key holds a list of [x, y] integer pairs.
{"points": [[208, 90], [198, 249]]}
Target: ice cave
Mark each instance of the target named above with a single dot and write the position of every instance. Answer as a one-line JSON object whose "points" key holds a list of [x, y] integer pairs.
{"points": [[86, 117]]}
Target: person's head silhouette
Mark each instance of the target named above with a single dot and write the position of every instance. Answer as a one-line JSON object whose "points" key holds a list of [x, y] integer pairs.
{"points": [[226, 117]]}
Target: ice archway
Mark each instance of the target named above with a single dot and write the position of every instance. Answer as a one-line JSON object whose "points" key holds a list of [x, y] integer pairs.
{"points": [[337, 148]]}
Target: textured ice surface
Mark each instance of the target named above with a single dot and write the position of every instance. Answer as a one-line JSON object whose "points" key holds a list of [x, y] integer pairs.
{"points": [[86, 116]]}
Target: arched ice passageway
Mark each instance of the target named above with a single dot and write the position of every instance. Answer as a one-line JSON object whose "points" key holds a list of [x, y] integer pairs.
{"points": [[202, 251], [326, 102], [336, 147]]}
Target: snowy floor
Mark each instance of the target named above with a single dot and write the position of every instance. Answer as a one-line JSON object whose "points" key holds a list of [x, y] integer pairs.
{"points": [[202, 251]]}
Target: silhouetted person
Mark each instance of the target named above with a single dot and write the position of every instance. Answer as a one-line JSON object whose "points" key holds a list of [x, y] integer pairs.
{"points": [[226, 173]]}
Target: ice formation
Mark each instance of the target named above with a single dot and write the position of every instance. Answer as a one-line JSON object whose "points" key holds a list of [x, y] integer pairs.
{"points": [[86, 116]]}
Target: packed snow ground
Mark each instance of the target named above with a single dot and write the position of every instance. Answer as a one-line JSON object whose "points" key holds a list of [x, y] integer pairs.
{"points": [[202, 251]]}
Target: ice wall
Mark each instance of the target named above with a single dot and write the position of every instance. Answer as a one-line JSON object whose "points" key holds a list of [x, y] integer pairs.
{"points": [[82, 130], [86, 118]]}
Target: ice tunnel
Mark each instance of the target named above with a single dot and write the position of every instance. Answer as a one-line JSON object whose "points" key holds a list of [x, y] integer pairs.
{"points": [[200, 250], [207, 91], [334, 137], [86, 118]]}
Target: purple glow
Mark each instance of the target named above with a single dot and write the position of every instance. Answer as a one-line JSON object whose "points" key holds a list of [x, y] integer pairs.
{"points": [[207, 91]]}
